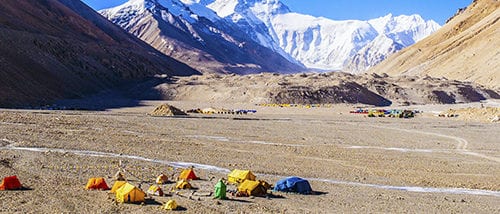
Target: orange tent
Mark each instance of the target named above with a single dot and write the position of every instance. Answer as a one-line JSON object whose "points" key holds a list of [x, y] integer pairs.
{"points": [[97, 183], [10, 183], [187, 174]]}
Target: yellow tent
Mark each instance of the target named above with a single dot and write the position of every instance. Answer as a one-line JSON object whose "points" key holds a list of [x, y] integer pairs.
{"points": [[96, 183], [252, 188], [155, 190], [238, 176], [188, 174], [129, 193], [170, 205], [162, 179], [117, 186], [183, 184]]}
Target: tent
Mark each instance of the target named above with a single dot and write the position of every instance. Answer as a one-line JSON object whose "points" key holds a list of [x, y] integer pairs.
{"points": [[238, 176], [129, 193], [155, 190], [167, 110], [252, 188], [162, 179], [119, 176], [187, 174], [96, 184], [293, 184], [183, 184], [220, 190], [170, 205], [10, 183], [117, 186]]}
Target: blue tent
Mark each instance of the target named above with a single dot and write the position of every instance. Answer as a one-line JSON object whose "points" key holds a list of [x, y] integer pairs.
{"points": [[293, 184]]}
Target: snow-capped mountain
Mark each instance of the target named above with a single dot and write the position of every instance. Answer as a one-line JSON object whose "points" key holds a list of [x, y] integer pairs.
{"points": [[243, 26], [319, 42], [194, 34]]}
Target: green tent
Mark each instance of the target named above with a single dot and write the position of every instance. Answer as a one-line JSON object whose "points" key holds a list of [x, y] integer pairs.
{"points": [[220, 190]]}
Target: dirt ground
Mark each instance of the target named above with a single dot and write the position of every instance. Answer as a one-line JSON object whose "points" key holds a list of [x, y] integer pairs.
{"points": [[354, 163]]}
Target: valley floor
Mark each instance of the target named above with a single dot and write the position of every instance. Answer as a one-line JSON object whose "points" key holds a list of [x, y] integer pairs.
{"points": [[354, 163]]}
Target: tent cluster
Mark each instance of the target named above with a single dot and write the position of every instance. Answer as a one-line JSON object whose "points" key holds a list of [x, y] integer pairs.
{"points": [[221, 111], [248, 185], [396, 113], [126, 192], [289, 105]]}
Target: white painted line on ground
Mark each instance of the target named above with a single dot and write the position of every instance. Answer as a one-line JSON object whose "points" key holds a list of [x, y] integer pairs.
{"points": [[224, 170]]}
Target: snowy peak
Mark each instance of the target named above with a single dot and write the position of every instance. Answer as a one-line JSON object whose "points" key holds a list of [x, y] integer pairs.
{"points": [[317, 42], [262, 8], [321, 43], [404, 29], [195, 35]]}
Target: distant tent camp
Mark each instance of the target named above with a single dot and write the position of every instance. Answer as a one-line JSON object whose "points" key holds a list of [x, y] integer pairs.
{"points": [[155, 190], [117, 186], [10, 183], [128, 193], [238, 176], [252, 188], [170, 205], [166, 110], [293, 184], [220, 190], [183, 184], [187, 174], [96, 184], [161, 179]]}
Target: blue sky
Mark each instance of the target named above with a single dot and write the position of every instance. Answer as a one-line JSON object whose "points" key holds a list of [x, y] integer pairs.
{"points": [[438, 10]]}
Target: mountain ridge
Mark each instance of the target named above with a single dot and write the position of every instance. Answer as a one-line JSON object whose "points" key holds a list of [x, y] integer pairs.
{"points": [[50, 51], [464, 49], [307, 42], [208, 44]]}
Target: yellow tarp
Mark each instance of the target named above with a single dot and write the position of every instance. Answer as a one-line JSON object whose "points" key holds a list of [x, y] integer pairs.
{"points": [[129, 193], [162, 179], [170, 205], [252, 188], [117, 186], [238, 176], [183, 184]]}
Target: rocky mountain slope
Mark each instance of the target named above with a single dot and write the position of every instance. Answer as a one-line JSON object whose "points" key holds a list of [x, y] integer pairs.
{"points": [[466, 48], [313, 88], [52, 49], [195, 35], [321, 43]]}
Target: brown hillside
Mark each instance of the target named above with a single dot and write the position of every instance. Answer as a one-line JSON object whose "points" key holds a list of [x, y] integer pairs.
{"points": [[52, 49], [466, 49]]}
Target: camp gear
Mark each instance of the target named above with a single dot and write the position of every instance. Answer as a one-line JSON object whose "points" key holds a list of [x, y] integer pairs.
{"points": [[162, 179], [183, 184], [238, 176], [128, 193], [170, 205], [252, 188], [96, 184], [155, 190], [187, 174], [10, 183], [220, 190], [293, 184], [117, 186]]}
